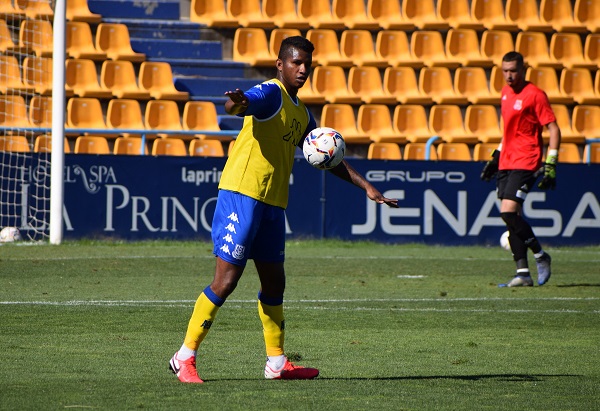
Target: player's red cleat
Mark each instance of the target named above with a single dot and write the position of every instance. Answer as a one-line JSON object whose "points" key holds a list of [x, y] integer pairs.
{"points": [[290, 371], [185, 370]]}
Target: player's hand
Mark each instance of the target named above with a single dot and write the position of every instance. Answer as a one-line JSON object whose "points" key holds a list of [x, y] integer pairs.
{"points": [[238, 97], [491, 167], [549, 178], [376, 196]]}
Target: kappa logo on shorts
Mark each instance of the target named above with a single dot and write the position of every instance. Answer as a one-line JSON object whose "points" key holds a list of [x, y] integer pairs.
{"points": [[225, 249], [230, 227], [228, 238], [233, 217], [238, 252]]}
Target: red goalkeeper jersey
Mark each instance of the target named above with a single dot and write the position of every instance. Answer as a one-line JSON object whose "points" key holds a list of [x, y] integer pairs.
{"points": [[524, 114]]}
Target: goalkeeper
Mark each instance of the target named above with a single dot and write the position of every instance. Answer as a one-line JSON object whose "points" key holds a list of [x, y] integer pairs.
{"points": [[517, 163]]}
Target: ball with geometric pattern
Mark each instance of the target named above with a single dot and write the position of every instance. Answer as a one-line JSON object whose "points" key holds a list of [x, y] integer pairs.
{"points": [[324, 148]]}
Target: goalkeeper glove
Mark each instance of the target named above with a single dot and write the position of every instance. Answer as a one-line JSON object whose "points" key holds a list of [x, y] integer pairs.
{"points": [[549, 178], [491, 167]]}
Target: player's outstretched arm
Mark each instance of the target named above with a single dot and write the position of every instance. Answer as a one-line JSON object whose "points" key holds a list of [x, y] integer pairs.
{"points": [[237, 103], [346, 172]]}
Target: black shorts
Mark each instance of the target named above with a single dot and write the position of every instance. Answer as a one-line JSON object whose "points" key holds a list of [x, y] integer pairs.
{"points": [[514, 184]]}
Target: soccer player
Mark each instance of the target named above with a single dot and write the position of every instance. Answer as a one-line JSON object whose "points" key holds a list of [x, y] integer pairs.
{"points": [[249, 220], [525, 110]]}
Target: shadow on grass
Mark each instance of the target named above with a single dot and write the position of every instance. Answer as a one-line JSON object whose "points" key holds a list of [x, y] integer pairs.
{"points": [[578, 285], [499, 377]]}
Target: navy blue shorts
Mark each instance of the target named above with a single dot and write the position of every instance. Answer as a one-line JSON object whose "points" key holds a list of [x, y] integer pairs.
{"points": [[244, 228]]}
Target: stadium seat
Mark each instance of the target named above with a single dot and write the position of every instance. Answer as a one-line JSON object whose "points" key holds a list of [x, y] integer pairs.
{"points": [[365, 82], [482, 121], [125, 114], [410, 121], [14, 144], [358, 46], [546, 79], [423, 15], [463, 46], [416, 151], [458, 14], [40, 111], [428, 46], [494, 44], [559, 14], [43, 144], [393, 47], [388, 13], [81, 78], [119, 76], [567, 48], [13, 112], [276, 37], [283, 14], [35, 37], [248, 13], [496, 81], [157, 78], [85, 113], [318, 13], [327, 48], [341, 118], [586, 121], [113, 39], [169, 147], [206, 148], [212, 13], [527, 16], [483, 151], [535, 49], [230, 147], [331, 83], [577, 82], [11, 80], [563, 119], [472, 83], [454, 152], [308, 95], [10, 11], [250, 46], [492, 14], [91, 145], [402, 83], [591, 49], [80, 43], [587, 12], [202, 116], [6, 41], [384, 151], [436, 82], [163, 115], [375, 121], [79, 10], [354, 14], [591, 153], [129, 145], [38, 9], [446, 121], [569, 153]]}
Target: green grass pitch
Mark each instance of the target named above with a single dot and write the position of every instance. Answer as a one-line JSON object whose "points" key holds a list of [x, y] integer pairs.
{"points": [[92, 325]]}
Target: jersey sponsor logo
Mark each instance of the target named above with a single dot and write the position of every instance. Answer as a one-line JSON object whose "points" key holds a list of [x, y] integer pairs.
{"points": [[238, 252], [518, 105]]}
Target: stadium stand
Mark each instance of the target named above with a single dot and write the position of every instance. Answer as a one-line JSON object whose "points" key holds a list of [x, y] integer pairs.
{"points": [[319, 14], [81, 78], [375, 121], [327, 48], [91, 145], [366, 82], [14, 144], [423, 14], [43, 144], [384, 151], [249, 13], [393, 46], [358, 46], [454, 152], [458, 14], [211, 13], [402, 83], [446, 121], [354, 14], [283, 13], [169, 147], [410, 121], [342, 118], [527, 16], [13, 112], [125, 114], [206, 148], [79, 10], [416, 151], [130, 145], [388, 14], [11, 80], [492, 14], [80, 42]]}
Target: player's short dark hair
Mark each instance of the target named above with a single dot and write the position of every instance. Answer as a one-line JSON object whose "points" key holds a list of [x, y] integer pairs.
{"points": [[294, 42], [514, 56]]}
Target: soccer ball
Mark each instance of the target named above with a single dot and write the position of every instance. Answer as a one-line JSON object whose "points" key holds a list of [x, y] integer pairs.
{"points": [[504, 241], [324, 148], [9, 235]]}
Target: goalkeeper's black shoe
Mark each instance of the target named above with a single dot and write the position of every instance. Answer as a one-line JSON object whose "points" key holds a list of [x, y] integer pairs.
{"points": [[543, 268]]}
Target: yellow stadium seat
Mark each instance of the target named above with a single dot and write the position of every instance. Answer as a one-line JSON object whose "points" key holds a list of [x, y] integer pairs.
{"points": [[39, 9], [458, 14], [587, 12], [13, 112], [43, 144], [436, 82], [546, 79], [319, 14], [91, 145], [202, 116], [454, 152], [85, 113], [276, 37], [81, 78], [38, 74], [11, 80], [463, 46], [535, 49], [410, 121], [402, 83], [308, 95], [358, 46], [169, 147], [35, 37], [80, 43], [591, 153], [119, 77], [416, 151], [492, 14], [559, 14], [388, 13], [423, 14], [212, 13], [14, 144], [482, 121], [569, 153], [393, 47], [526, 14], [113, 39], [130, 145], [446, 121], [591, 49], [157, 78], [40, 111], [494, 44], [327, 48], [6, 41], [163, 115], [250, 46], [79, 10], [578, 82], [586, 120], [375, 121], [125, 114], [331, 83], [472, 83], [248, 13], [341, 118], [365, 81], [206, 148], [283, 13], [354, 14], [496, 81], [568, 49], [384, 151], [11, 11], [563, 119], [428, 46], [483, 151]]}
